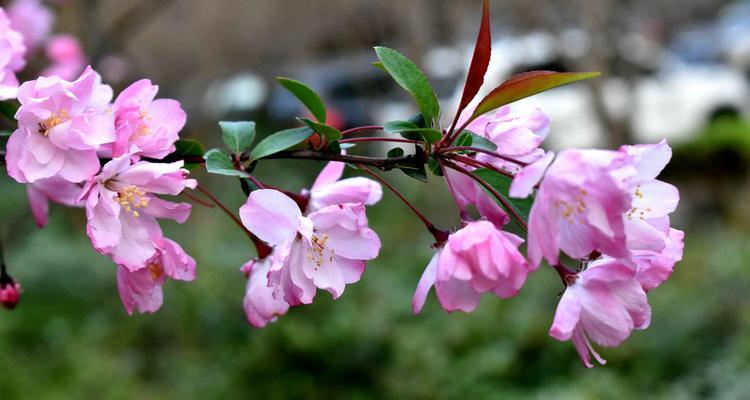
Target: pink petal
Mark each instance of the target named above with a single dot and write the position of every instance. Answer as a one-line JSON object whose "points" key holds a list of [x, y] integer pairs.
{"points": [[271, 215]]}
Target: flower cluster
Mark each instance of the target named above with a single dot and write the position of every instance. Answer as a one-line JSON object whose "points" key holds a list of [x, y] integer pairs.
{"points": [[12, 57], [75, 147], [325, 247]]}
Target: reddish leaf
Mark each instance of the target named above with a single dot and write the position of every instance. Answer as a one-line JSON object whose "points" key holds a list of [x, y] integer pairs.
{"points": [[479, 62], [527, 84]]}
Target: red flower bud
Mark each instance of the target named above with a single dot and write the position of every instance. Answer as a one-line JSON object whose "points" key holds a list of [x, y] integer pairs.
{"points": [[9, 294]]}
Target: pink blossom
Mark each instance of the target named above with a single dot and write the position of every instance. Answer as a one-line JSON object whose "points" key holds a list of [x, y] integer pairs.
{"points": [[33, 20], [152, 126], [10, 293], [604, 303], [122, 208], [468, 193], [517, 135], [12, 57], [476, 259], [53, 189], [61, 125], [579, 206], [329, 190], [260, 304], [66, 57], [327, 249], [141, 289]]}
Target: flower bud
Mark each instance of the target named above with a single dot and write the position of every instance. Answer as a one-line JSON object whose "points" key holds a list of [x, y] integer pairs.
{"points": [[10, 293]]}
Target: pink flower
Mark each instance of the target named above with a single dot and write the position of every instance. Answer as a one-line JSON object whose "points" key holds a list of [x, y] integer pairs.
{"points": [[579, 206], [12, 53], [517, 135], [327, 249], [141, 289], [10, 293], [468, 193], [152, 126], [328, 190], [122, 208], [61, 125], [53, 189], [260, 304], [66, 57], [478, 258], [33, 20], [604, 303]]}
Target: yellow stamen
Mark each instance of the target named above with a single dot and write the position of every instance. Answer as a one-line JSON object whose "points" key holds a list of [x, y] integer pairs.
{"points": [[131, 198]]}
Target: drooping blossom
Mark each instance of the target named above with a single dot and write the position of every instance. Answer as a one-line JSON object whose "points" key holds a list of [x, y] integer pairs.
{"points": [[579, 206], [53, 189], [327, 248], [329, 190], [476, 259], [61, 125], [33, 20], [517, 136], [260, 304], [12, 57], [141, 289], [152, 126], [66, 57], [604, 303], [122, 208]]}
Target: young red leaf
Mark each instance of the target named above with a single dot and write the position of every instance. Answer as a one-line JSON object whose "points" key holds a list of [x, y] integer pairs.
{"points": [[480, 61], [525, 85]]}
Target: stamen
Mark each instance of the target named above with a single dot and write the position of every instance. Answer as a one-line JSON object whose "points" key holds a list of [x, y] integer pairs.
{"points": [[53, 121], [131, 198]]}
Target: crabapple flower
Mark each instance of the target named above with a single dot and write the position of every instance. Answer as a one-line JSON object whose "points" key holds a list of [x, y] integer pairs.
{"points": [[261, 304], [152, 126], [329, 190], [517, 135], [61, 125], [10, 293], [467, 193], [12, 57], [604, 303], [66, 57], [579, 206], [53, 189], [478, 258], [327, 249], [142, 289], [32, 20], [122, 208]]}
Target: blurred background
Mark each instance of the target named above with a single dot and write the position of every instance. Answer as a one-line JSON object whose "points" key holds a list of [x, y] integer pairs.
{"points": [[675, 69]]}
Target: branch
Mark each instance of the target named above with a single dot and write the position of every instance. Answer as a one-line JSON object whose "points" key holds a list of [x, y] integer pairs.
{"points": [[384, 164]]}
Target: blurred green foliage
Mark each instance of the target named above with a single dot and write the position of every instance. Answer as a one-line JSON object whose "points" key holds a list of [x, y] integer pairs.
{"points": [[70, 338]]}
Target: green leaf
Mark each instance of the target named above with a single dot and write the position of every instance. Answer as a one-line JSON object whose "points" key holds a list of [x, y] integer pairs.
{"points": [[5, 133], [307, 96], [327, 131], [379, 65], [409, 77], [395, 152], [501, 183], [464, 140], [280, 141], [238, 136], [480, 141], [416, 173], [399, 126], [527, 84], [188, 150], [434, 166], [9, 108], [218, 162]]}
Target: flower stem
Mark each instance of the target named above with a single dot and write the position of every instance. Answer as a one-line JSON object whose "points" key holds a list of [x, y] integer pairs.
{"points": [[492, 190], [484, 151], [197, 200], [362, 129], [378, 139], [479, 164], [440, 235], [263, 249]]}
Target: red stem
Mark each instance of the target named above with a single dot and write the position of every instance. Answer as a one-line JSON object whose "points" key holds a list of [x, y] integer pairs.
{"points": [[263, 249], [440, 236], [479, 164], [378, 139], [494, 192], [362, 129], [197, 200], [483, 151]]}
